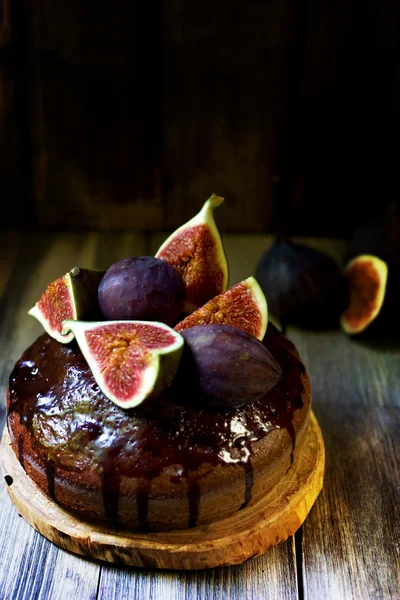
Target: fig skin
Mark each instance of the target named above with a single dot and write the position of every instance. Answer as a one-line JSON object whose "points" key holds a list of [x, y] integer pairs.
{"points": [[73, 295], [378, 236], [142, 288], [303, 286], [225, 367]]}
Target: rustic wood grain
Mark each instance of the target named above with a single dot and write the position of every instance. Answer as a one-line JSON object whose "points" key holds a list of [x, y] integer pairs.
{"points": [[272, 576], [225, 77], [351, 540], [367, 372], [246, 534], [15, 153], [347, 121], [95, 98], [32, 567], [138, 114]]}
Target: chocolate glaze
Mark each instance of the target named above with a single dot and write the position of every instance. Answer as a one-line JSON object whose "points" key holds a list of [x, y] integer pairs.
{"points": [[50, 476], [249, 481], [53, 392], [21, 451]]}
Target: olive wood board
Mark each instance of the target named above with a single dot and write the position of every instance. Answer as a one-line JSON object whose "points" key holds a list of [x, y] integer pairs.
{"points": [[248, 533]]}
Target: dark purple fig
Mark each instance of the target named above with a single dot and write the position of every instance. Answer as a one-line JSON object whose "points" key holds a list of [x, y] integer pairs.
{"points": [[142, 288], [224, 366], [379, 236], [303, 286]]}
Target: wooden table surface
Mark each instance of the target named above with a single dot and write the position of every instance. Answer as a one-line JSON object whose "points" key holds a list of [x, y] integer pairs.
{"points": [[349, 545]]}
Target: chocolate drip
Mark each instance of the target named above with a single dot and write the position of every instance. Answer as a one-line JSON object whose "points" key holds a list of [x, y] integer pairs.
{"points": [[111, 482], [21, 451], [53, 392], [142, 502], [194, 495], [50, 475], [249, 482]]}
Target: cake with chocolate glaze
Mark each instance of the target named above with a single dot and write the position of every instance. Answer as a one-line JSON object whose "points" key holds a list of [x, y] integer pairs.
{"points": [[164, 465]]}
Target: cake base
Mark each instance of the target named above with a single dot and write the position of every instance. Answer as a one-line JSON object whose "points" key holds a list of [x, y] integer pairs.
{"points": [[246, 534]]}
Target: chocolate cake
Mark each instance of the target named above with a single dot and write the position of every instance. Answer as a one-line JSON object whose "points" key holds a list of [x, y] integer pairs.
{"points": [[164, 465]]}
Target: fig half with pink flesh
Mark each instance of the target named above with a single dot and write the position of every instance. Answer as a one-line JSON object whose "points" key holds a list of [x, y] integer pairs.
{"points": [[243, 306], [195, 249], [366, 277], [72, 296], [130, 360]]}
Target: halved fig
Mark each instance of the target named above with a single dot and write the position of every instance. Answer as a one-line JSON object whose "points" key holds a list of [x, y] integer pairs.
{"points": [[195, 249], [72, 296], [243, 306], [130, 360], [366, 277]]}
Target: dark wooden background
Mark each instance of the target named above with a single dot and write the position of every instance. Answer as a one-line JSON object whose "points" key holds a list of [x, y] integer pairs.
{"points": [[128, 115]]}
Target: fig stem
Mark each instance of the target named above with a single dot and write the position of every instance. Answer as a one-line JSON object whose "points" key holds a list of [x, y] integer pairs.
{"points": [[215, 200]]}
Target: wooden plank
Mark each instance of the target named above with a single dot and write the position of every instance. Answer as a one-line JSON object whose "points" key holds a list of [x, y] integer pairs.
{"points": [[361, 373], [9, 243], [271, 576], [32, 567], [15, 155], [347, 124], [112, 247], [351, 538], [96, 114], [225, 76]]}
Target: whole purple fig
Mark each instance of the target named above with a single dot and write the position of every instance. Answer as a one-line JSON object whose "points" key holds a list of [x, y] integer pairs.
{"points": [[303, 286], [142, 288], [224, 366]]}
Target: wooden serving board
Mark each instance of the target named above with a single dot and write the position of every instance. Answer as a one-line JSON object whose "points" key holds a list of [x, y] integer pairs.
{"points": [[248, 533]]}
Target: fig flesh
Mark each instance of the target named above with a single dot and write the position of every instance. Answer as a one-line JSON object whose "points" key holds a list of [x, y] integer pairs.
{"points": [[225, 367], [142, 288], [366, 276], [195, 249], [130, 360], [243, 306], [72, 296], [304, 286]]}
